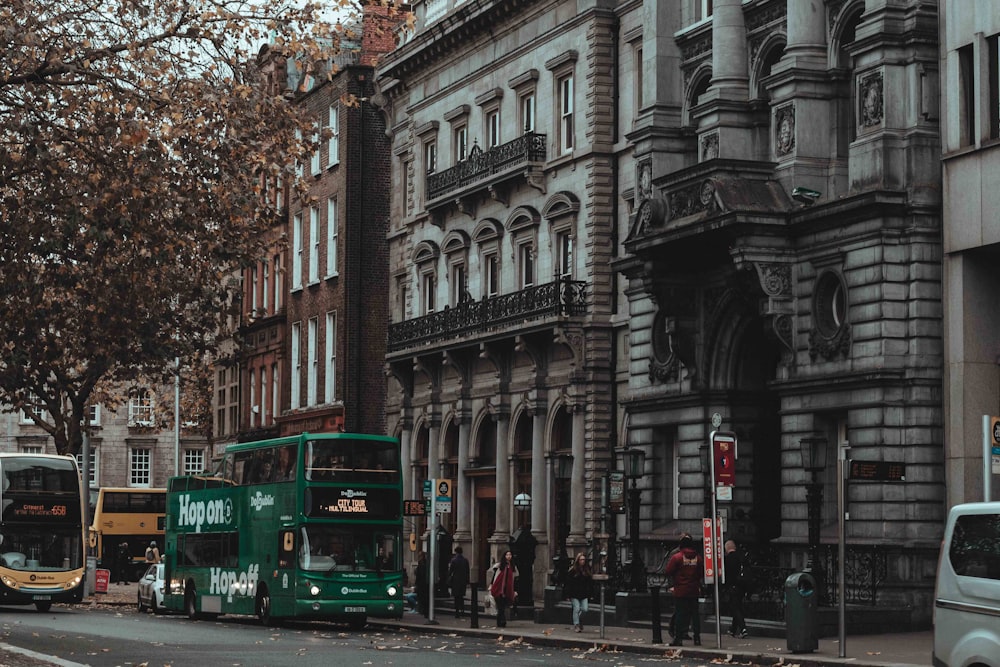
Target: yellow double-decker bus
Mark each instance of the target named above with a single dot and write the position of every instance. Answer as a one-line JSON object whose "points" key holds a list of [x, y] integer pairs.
{"points": [[41, 530], [133, 517]]}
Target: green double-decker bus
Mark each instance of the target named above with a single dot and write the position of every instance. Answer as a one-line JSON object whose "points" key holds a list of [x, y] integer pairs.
{"points": [[302, 527]]}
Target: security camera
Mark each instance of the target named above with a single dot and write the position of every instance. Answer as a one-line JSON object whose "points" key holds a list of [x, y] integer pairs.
{"points": [[806, 196]]}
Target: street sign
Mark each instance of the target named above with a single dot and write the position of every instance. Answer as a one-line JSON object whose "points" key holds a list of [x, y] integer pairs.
{"points": [[712, 554], [442, 502], [876, 471], [428, 486], [616, 492], [995, 449], [724, 451]]}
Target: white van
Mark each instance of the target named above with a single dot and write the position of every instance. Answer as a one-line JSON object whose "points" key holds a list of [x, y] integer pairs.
{"points": [[967, 595]]}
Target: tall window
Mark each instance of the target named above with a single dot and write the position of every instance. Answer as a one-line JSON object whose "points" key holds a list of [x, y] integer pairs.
{"points": [[297, 251], [430, 157], [967, 100], [333, 143], [564, 254], [314, 159], [457, 285], [313, 244], [526, 264], [491, 282], [140, 467], [254, 406], [140, 408], [528, 112], [404, 186], [493, 127], [298, 162], [263, 397], [279, 193], [704, 9], [274, 389], [566, 124], [461, 143], [427, 291], [92, 471], [330, 357], [638, 78], [993, 54], [313, 361], [331, 236], [265, 285], [296, 378], [253, 290], [194, 461], [94, 415], [276, 262]]}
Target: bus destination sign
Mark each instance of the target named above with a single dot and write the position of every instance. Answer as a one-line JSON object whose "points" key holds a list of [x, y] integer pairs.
{"points": [[877, 471], [38, 510], [351, 503]]}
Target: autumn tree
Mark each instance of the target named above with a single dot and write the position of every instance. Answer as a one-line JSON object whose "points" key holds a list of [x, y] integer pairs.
{"points": [[135, 139]]}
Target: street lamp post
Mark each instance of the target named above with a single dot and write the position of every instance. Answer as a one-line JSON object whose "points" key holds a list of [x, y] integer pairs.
{"points": [[635, 462], [813, 450], [564, 475]]}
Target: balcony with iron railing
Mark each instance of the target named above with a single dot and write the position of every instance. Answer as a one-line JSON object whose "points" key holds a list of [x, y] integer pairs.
{"points": [[478, 319], [521, 157]]}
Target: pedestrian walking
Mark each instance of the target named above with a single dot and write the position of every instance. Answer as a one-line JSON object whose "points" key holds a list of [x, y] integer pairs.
{"points": [[672, 624], [423, 585], [123, 561], [684, 567], [579, 584], [458, 580], [502, 588], [735, 589], [152, 553]]}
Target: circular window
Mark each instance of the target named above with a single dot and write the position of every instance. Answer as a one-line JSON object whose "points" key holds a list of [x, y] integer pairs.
{"points": [[830, 304]]}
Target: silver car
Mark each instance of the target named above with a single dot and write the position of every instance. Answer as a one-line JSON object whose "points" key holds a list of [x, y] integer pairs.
{"points": [[151, 589]]}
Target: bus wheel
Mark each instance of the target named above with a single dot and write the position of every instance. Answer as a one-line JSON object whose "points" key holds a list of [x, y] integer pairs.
{"points": [[189, 604], [263, 606], [43, 606]]}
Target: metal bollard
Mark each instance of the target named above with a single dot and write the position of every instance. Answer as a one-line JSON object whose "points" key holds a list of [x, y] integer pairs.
{"points": [[654, 611], [474, 616]]}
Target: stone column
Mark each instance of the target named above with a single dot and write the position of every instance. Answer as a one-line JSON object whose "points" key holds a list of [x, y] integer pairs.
{"points": [[729, 49], [578, 489], [504, 504], [405, 458], [463, 490], [433, 447], [806, 34], [538, 488]]}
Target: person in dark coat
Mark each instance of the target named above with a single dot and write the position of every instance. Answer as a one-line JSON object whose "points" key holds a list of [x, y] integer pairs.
{"points": [[735, 589], [423, 585], [685, 570], [578, 587], [458, 580], [123, 562]]}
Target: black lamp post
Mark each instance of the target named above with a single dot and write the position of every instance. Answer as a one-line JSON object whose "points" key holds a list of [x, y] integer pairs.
{"points": [[564, 475], [635, 462], [813, 450]]}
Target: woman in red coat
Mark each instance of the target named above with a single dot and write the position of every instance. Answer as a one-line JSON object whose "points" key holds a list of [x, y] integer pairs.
{"points": [[502, 588], [685, 571]]}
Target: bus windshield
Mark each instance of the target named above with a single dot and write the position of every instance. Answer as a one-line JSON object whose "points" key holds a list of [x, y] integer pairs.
{"points": [[326, 548], [24, 547], [350, 460]]}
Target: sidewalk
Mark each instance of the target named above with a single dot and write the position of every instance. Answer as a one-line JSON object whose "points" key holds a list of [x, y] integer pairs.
{"points": [[901, 649], [911, 649]]}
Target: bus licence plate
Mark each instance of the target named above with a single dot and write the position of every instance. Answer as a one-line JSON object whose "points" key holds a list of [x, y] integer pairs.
{"points": [[355, 610], [41, 597]]}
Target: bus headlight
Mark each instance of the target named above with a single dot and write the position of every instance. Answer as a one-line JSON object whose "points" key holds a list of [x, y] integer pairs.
{"points": [[9, 582], [314, 589], [392, 591]]}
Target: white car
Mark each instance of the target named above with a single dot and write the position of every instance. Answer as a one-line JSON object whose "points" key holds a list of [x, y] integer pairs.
{"points": [[151, 587]]}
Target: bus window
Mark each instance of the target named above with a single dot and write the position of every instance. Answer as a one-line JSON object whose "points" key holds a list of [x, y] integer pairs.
{"points": [[327, 548], [286, 463]]}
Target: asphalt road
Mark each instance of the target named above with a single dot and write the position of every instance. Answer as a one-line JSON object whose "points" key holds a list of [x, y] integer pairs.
{"points": [[121, 637]]}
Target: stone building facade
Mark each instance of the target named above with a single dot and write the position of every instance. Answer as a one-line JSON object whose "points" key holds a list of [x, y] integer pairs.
{"points": [[751, 197], [970, 118], [784, 277]]}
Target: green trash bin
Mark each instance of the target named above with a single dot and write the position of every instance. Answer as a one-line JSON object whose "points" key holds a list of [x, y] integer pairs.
{"points": [[801, 614]]}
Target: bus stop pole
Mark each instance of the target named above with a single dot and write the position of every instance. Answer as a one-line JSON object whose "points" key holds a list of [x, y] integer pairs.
{"points": [[432, 560]]}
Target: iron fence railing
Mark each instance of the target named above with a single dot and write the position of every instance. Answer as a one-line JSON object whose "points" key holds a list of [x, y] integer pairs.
{"points": [[482, 165], [865, 570], [558, 298]]}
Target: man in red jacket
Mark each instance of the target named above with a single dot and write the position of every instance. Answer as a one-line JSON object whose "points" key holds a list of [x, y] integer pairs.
{"points": [[685, 571]]}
